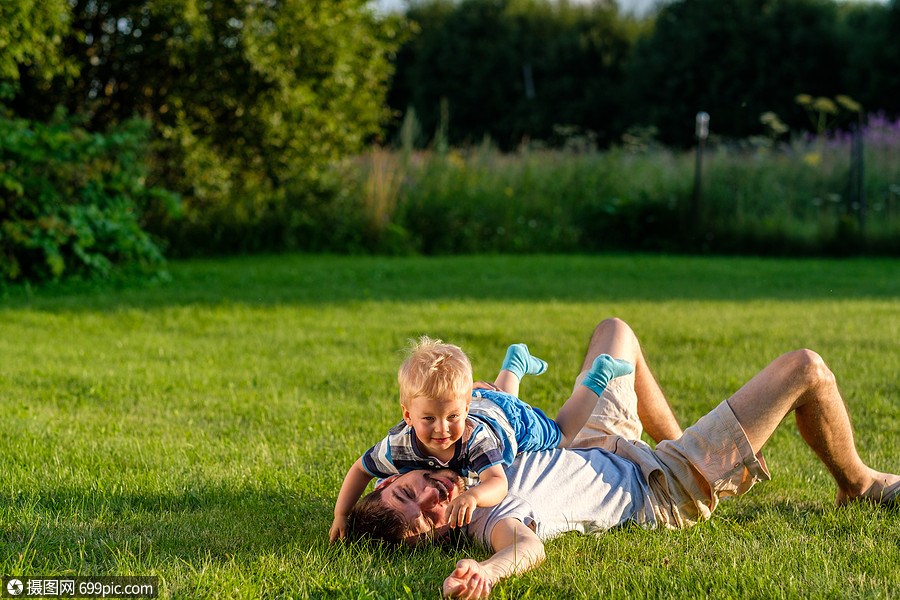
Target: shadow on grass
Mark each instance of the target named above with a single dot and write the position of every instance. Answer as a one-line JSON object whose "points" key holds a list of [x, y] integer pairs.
{"points": [[207, 539], [71, 528], [311, 280]]}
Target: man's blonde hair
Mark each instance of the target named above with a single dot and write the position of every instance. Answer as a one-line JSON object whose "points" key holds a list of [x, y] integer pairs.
{"points": [[434, 370]]}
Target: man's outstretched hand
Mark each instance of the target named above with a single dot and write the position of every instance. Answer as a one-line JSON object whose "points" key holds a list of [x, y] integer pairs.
{"points": [[468, 580]]}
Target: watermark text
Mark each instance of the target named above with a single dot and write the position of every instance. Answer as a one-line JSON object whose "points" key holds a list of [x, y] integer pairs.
{"points": [[79, 587]]}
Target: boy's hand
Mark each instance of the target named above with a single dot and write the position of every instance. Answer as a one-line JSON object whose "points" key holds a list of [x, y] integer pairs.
{"points": [[484, 385], [460, 510], [338, 529]]}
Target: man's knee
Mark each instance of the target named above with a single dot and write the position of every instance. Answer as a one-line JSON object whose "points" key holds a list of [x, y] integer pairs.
{"points": [[612, 336], [612, 326], [811, 367]]}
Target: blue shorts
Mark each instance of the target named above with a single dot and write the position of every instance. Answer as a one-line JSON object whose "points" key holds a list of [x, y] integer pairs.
{"points": [[534, 430]]}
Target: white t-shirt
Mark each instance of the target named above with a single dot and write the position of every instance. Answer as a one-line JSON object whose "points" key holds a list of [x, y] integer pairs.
{"points": [[586, 490]]}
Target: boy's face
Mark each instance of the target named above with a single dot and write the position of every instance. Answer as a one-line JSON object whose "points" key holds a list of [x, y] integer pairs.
{"points": [[439, 422]]}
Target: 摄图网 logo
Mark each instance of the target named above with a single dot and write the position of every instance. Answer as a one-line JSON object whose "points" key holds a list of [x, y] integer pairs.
{"points": [[14, 587]]}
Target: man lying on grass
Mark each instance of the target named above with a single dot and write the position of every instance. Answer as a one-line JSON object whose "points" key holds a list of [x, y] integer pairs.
{"points": [[613, 478]]}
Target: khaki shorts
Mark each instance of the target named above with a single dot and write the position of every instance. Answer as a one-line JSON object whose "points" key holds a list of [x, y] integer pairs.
{"points": [[687, 477]]}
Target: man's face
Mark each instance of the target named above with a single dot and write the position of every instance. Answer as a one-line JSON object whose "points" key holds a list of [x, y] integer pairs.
{"points": [[421, 498]]}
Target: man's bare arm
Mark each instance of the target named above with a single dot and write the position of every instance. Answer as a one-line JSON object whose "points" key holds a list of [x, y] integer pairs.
{"points": [[516, 549]]}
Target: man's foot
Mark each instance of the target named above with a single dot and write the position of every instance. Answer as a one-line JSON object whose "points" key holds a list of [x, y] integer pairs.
{"points": [[891, 496], [605, 367], [520, 362], [885, 491]]}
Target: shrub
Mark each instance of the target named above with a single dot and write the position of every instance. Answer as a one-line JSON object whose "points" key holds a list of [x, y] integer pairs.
{"points": [[71, 201]]}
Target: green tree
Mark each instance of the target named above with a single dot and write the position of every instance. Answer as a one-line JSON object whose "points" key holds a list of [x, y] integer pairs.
{"points": [[734, 59], [250, 100], [31, 34], [468, 62], [870, 33], [512, 69]]}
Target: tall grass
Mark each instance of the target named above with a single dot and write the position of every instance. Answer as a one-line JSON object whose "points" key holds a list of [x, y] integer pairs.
{"points": [[198, 429], [758, 198]]}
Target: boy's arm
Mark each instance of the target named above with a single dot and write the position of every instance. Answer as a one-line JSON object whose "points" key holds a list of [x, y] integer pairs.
{"points": [[516, 549], [489, 492], [354, 485]]}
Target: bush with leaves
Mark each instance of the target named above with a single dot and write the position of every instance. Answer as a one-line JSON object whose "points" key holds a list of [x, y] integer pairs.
{"points": [[71, 201]]}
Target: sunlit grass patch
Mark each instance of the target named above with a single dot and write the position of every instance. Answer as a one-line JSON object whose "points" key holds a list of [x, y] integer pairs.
{"points": [[199, 429]]}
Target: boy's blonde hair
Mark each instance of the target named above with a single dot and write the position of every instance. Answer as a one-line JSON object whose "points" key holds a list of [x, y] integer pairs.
{"points": [[434, 370]]}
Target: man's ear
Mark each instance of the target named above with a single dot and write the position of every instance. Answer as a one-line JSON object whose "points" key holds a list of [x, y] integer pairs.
{"points": [[384, 482]]}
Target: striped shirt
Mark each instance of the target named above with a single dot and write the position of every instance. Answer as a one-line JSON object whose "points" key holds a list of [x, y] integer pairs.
{"points": [[498, 427]]}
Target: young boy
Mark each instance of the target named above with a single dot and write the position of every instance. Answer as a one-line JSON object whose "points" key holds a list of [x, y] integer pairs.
{"points": [[448, 424]]}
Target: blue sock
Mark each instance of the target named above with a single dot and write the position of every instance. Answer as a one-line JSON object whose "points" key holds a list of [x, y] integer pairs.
{"points": [[605, 367], [520, 362]]}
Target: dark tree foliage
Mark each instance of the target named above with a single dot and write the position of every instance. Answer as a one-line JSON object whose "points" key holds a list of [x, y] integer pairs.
{"points": [[520, 69], [735, 60], [512, 69], [871, 37], [30, 43]]}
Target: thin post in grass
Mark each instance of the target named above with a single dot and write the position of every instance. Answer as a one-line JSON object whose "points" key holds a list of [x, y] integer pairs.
{"points": [[702, 132], [857, 172]]}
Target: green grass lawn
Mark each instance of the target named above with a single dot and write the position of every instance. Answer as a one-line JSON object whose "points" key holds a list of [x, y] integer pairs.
{"points": [[199, 429]]}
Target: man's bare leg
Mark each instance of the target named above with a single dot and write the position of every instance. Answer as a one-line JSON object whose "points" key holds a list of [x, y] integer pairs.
{"points": [[614, 337], [801, 382]]}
